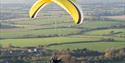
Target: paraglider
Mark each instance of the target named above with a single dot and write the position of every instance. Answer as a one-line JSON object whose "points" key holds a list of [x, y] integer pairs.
{"points": [[68, 5]]}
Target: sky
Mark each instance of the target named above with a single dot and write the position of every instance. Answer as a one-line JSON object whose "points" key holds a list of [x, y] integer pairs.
{"points": [[17, 1], [32, 1]]}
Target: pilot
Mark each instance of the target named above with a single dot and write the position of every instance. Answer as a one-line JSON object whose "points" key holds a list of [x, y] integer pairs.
{"points": [[55, 59]]}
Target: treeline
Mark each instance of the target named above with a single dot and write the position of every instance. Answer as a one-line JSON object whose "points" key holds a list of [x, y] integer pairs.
{"points": [[41, 54], [90, 56], [103, 57]]}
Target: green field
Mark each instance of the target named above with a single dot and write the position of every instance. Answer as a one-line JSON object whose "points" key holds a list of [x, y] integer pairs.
{"points": [[42, 32], [99, 46], [72, 43], [116, 32], [35, 29], [96, 35], [43, 41], [102, 33]]}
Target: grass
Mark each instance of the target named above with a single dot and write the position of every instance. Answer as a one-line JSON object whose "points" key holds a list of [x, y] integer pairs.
{"points": [[86, 42], [100, 24], [100, 37], [119, 32], [41, 32], [65, 28], [99, 46], [42, 41], [31, 26]]}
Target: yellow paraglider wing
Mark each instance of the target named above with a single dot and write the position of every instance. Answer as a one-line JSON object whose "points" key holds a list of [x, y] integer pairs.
{"points": [[37, 6], [69, 6]]}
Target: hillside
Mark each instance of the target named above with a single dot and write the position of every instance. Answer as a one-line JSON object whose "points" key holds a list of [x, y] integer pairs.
{"points": [[99, 39], [100, 24]]}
